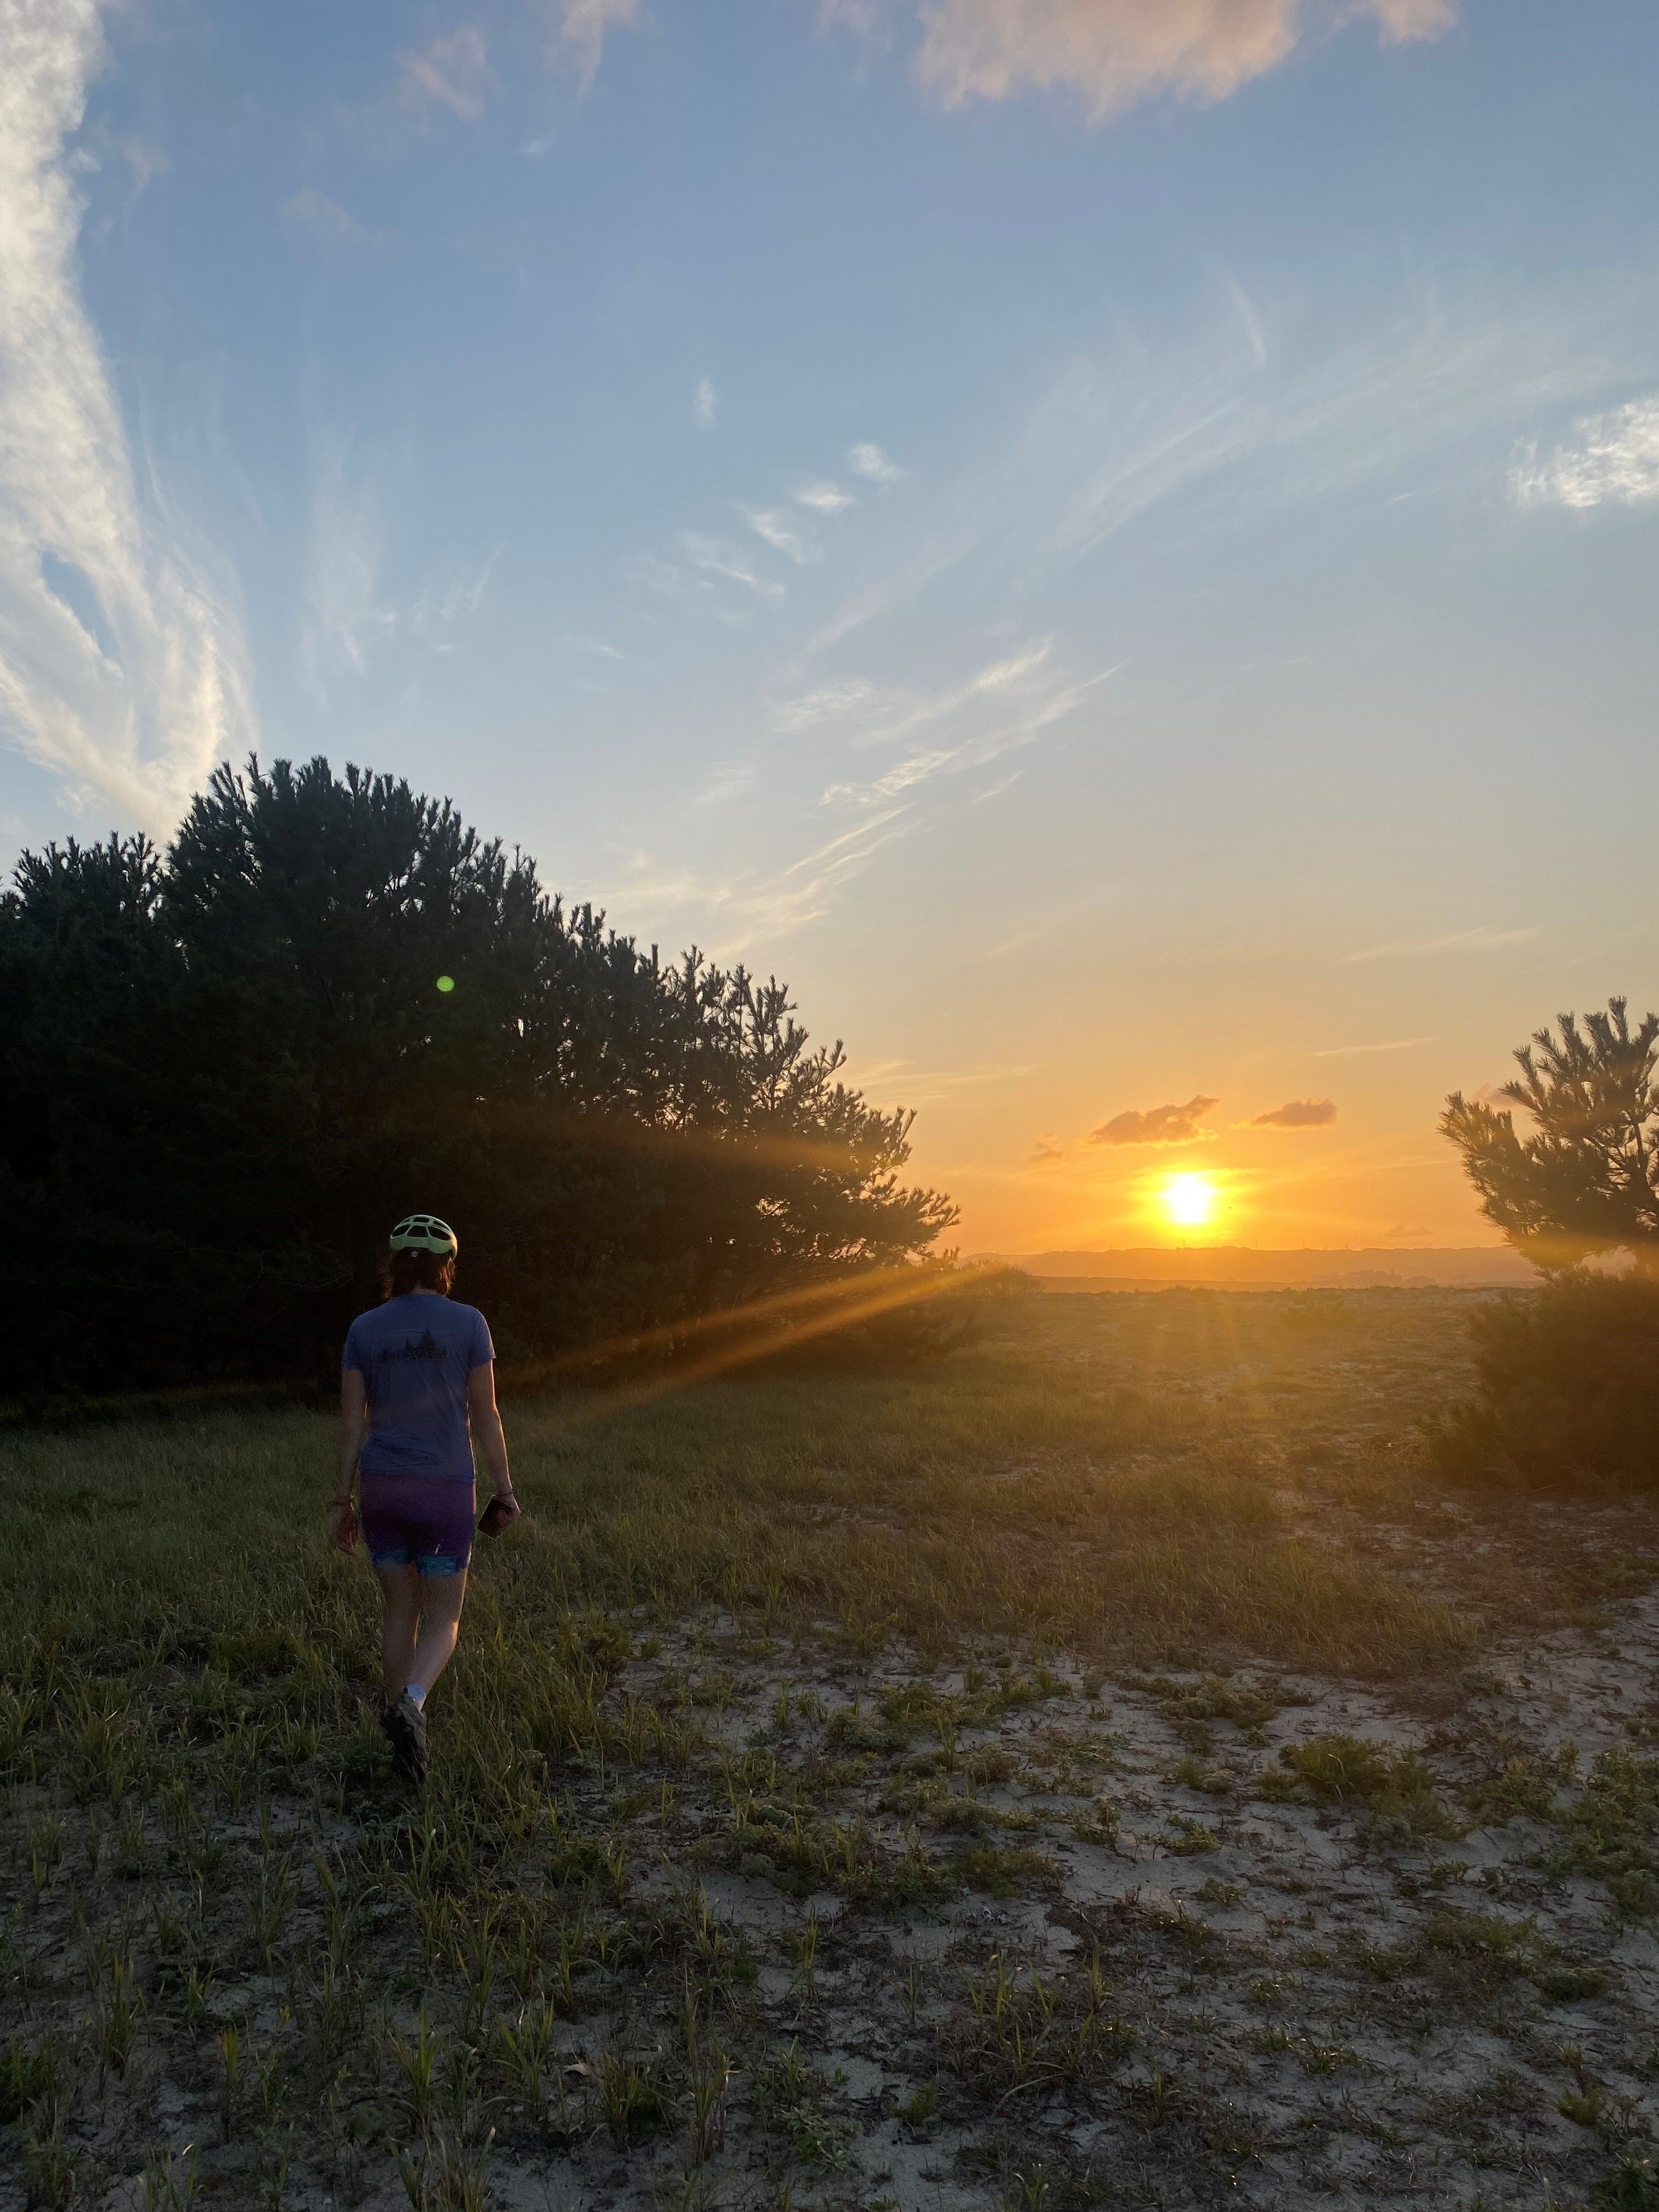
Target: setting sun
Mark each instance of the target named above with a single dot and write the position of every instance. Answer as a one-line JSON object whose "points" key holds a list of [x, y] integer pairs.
{"points": [[1189, 1200]]}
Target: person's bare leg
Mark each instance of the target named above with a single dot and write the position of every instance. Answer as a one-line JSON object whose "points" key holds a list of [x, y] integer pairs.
{"points": [[442, 1599], [401, 1588]]}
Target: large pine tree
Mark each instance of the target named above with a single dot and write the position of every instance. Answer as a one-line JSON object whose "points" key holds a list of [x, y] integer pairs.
{"points": [[224, 1071]]}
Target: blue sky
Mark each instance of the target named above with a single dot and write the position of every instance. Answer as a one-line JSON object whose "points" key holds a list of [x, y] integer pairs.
{"points": [[1112, 542]]}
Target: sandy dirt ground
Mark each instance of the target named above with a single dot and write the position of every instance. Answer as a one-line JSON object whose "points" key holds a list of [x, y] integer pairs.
{"points": [[1164, 1970], [1157, 1985]]}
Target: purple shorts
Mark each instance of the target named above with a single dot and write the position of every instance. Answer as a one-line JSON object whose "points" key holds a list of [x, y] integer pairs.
{"points": [[412, 1519]]}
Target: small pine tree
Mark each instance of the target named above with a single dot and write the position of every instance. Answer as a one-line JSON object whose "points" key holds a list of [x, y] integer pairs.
{"points": [[1586, 1180], [1568, 1379]]}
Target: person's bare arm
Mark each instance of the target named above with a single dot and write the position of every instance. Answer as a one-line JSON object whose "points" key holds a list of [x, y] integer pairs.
{"points": [[487, 1428], [354, 1422]]}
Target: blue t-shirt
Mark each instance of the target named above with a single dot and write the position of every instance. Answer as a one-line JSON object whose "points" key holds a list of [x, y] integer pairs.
{"points": [[415, 1355]]}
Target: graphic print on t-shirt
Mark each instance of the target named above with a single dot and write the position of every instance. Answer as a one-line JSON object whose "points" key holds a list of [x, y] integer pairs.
{"points": [[416, 1354], [422, 1393]]}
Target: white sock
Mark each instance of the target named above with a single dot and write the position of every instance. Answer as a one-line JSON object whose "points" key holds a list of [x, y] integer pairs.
{"points": [[416, 1695]]}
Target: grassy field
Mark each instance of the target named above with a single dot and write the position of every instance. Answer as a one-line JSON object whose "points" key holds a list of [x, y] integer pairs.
{"points": [[1105, 1768]]}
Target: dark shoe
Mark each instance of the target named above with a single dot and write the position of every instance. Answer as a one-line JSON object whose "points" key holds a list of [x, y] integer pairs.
{"points": [[406, 1727]]}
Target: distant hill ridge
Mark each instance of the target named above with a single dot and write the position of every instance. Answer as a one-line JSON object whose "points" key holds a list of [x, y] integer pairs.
{"points": [[1243, 1266]]}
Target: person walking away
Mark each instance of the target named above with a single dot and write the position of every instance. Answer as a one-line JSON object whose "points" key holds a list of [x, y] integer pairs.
{"points": [[417, 1386]]}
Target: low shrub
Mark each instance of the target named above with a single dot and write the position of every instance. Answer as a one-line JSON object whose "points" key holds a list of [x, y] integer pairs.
{"points": [[1568, 1387]]}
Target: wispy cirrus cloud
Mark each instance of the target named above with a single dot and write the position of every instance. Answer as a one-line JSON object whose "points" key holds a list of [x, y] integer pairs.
{"points": [[326, 220], [775, 526], [872, 715], [824, 498], [1221, 429], [716, 556], [1215, 424], [121, 666], [577, 30], [1610, 460], [705, 404], [995, 790], [601, 648], [1025, 695], [869, 21], [1006, 704], [454, 595], [350, 613], [876, 601], [920, 1085], [829, 702], [1480, 940], [726, 779], [1109, 54], [918, 767], [779, 530], [1361, 1051], [874, 465], [758, 908], [347, 615], [774, 530], [1024, 719], [452, 72], [1003, 705]]}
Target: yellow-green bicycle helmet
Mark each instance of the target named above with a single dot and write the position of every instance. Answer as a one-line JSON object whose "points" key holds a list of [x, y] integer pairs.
{"points": [[425, 1232]]}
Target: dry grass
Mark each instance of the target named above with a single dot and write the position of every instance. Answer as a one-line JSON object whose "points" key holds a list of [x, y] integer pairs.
{"points": [[834, 1645], [1063, 1485]]}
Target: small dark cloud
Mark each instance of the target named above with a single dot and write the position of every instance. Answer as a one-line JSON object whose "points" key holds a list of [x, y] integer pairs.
{"points": [[1298, 1114], [1158, 1125], [1046, 1154]]}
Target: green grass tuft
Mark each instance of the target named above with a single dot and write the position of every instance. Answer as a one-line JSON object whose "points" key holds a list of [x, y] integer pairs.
{"points": [[1394, 1784]]}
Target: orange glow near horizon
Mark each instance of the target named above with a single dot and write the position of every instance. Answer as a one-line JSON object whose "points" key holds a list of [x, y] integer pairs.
{"points": [[1188, 1200]]}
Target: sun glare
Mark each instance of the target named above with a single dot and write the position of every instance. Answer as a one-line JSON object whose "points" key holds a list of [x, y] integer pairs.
{"points": [[1188, 1200]]}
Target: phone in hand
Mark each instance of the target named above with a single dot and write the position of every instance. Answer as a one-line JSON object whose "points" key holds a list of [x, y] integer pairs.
{"points": [[493, 1518]]}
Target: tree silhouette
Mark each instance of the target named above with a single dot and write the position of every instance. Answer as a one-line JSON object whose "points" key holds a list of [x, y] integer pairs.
{"points": [[1586, 1179], [224, 1072]]}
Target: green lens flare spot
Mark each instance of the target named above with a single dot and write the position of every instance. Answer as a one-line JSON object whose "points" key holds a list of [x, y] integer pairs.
{"points": [[446, 982]]}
